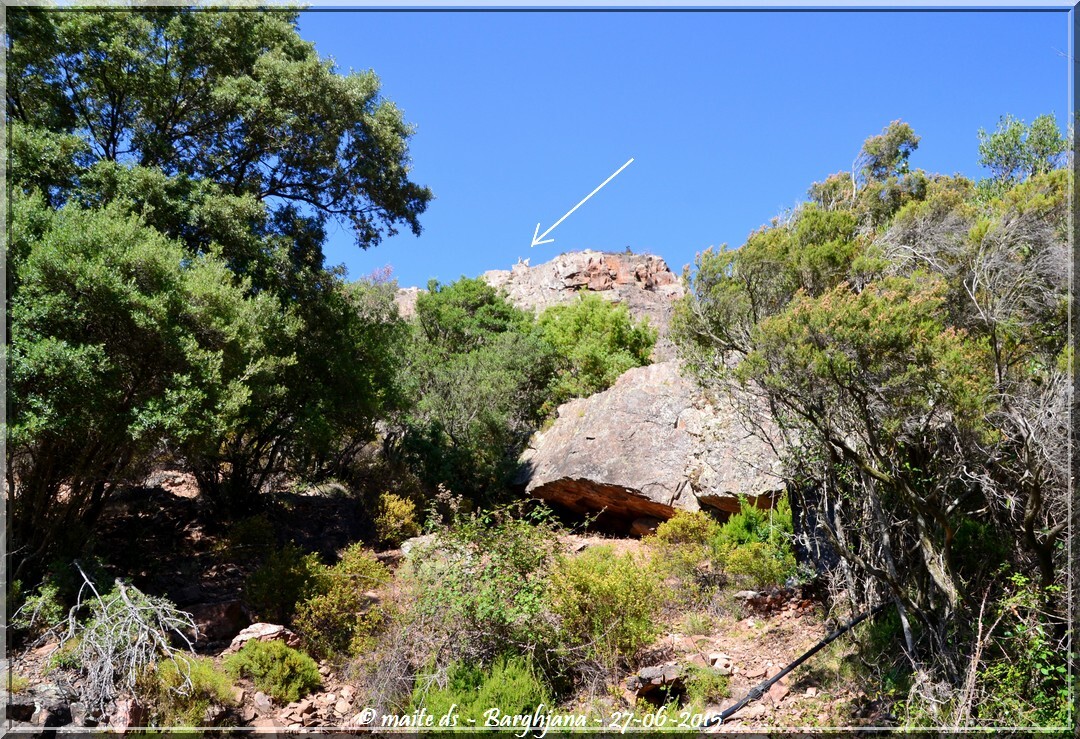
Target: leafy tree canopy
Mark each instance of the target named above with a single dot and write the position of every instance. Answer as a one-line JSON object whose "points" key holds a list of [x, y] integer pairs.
{"points": [[238, 100]]}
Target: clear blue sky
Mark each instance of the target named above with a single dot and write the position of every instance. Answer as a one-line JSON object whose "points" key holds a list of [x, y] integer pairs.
{"points": [[729, 116]]}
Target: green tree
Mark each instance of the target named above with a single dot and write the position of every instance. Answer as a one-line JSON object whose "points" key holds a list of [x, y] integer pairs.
{"points": [[478, 370], [919, 385], [1015, 151], [118, 340], [886, 154], [236, 99], [228, 133], [595, 341]]}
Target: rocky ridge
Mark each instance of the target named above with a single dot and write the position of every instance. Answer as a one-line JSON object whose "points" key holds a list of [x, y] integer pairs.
{"points": [[642, 282]]}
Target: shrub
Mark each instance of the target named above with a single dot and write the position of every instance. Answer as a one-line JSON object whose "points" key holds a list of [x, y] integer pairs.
{"points": [[762, 565], [339, 618], [14, 683], [64, 657], [596, 341], [755, 544], [607, 603], [181, 690], [478, 369], [396, 520], [480, 587], [286, 578], [686, 546], [1025, 680], [276, 669], [512, 685], [705, 687], [126, 632], [40, 611]]}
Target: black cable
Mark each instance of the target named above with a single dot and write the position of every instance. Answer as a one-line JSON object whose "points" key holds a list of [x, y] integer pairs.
{"points": [[759, 690]]}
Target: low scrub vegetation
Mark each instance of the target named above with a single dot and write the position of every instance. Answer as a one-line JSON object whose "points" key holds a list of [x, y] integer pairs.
{"points": [[182, 690], [277, 669]]}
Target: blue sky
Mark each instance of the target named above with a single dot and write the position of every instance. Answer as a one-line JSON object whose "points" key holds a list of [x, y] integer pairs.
{"points": [[729, 116]]}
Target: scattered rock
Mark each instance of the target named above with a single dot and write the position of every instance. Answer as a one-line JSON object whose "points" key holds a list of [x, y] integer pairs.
{"points": [[262, 702], [721, 663], [778, 692], [648, 679], [263, 632], [409, 545], [266, 722], [126, 713], [755, 673], [81, 715], [20, 706], [45, 650], [342, 707], [811, 692]]}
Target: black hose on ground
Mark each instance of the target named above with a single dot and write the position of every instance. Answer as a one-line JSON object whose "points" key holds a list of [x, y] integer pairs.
{"points": [[759, 690]]}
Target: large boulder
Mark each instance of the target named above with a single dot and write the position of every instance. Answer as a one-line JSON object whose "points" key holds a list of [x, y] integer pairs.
{"points": [[648, 446]]}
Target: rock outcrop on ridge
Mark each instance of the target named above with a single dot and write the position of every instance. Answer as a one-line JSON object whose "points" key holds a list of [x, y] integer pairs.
{"points": [[642, 282]]}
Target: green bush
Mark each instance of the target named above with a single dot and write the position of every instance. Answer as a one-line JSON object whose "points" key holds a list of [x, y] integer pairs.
{"points": [[1025, 678], [286, 578], [596, 340], [512, 685], [478, 369], [40, 611], [396, 520], [64, 657], [686, 547], [182, 689], [705, 687], [339, 618], [276, 669], [760, 565], [607, 603], [755, 544], [480, 586]]}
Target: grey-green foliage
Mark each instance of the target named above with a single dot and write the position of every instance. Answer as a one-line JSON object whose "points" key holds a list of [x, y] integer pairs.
{"points": [[922, 385], [1016, 150]]}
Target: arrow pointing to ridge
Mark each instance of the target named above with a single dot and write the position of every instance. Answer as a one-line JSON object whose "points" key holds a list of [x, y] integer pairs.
{"points": [[538, 238]]}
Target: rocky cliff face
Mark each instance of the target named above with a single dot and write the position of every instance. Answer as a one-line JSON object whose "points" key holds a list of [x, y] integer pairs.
{"points": [[642, 282], [647, 447]]}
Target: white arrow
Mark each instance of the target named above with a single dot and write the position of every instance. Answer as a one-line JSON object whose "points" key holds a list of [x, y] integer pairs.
{"points": [[537, 240]]}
